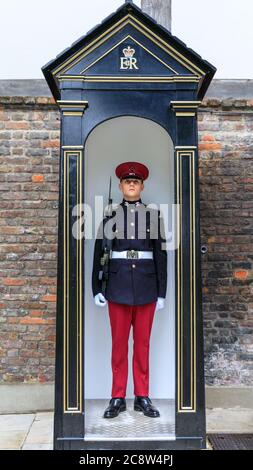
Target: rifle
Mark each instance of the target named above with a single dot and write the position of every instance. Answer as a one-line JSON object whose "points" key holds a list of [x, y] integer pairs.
{"points": [[106, 246]]}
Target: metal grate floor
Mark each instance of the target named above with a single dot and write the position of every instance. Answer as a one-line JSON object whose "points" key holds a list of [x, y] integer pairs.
{"points": [[129, 424], [231, 441]]}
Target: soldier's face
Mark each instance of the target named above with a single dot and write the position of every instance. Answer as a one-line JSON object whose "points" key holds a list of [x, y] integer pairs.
{"points": [[131, 188]]}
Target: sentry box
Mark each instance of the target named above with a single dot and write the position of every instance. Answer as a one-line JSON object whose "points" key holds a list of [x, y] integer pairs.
{"points": [[129, 90]]}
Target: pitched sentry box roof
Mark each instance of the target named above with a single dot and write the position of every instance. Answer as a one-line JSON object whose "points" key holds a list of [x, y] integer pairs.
{"points": [[167, 58]]}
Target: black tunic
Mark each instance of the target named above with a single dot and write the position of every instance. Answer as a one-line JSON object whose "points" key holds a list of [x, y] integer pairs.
{"points": [[133, 281]]}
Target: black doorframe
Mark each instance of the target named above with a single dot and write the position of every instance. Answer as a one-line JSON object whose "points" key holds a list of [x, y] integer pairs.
{"points": [[181, 124], [118, 152]]}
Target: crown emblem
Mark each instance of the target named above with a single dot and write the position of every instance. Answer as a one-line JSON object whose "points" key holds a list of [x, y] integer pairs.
{"points": [[128, 52]]}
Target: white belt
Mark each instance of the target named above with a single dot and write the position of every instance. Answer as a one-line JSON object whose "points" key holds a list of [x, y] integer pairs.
{"points": [[132, 254]]}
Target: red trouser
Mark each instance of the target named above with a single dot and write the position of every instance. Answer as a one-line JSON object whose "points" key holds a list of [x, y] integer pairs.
{"points": [[121, 318]]}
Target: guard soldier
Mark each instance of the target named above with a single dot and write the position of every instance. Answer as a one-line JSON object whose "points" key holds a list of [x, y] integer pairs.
{"points": [[136, 288]]}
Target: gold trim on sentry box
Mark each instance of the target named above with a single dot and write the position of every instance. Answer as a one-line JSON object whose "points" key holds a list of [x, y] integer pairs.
{"points": [[72, 108], [72, 104], [185, 114], [129, 19], [186, 147], [128, 79], [180, 286], [168, 46], [76, 147], [69, 113], [66, 279], [120, 42], [185, 104]]}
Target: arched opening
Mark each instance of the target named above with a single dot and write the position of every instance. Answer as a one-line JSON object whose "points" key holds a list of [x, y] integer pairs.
{"points": [[129, 138]]}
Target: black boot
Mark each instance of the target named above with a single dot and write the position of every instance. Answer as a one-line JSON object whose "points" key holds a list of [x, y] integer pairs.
{"points": [[145, 404], [116, 405]]}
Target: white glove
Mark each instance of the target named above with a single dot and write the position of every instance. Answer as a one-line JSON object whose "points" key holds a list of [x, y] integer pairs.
{"points": [[160, 303], [100, 301]]}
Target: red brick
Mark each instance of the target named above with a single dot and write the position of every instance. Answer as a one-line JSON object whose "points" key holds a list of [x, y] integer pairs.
{"points": [[210, 146], [208, 138], [49, 298], [36, 321], [11, 230], [14, 282], [42, 378], [241, 274], [37, 313], [16, 125], [38, 178], [54, 143]]}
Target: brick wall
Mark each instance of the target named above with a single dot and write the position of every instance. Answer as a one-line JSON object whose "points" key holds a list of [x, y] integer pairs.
{"points": [[29, 157], [226, 183], [29, 166]]}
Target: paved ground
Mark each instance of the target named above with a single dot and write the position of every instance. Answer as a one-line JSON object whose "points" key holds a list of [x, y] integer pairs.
{"points": [[35, 431], [29, 431]]}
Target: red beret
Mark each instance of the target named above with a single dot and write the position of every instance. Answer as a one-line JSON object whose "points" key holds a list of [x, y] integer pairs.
{"points": [[132, 170]]}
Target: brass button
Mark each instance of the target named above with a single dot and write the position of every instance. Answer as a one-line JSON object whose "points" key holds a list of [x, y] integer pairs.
{"points": [[132, 223], [133, 265], [148, 230], [132, 210], [132, 236]]}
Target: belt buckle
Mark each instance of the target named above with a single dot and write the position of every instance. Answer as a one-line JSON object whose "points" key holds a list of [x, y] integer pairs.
{"points": [[133, 254]]}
